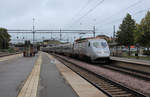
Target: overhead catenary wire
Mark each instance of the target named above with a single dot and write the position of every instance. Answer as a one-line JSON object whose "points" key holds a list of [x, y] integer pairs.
{"points": [[130, 6], [89, 11], [141, 11], [134, 14], [82, 8], [138, 12]]}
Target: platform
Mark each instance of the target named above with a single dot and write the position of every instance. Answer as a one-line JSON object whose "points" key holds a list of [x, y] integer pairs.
{"points": [[78, 84], [136, 61], [51, 83], [14, 70], [5, 58], [41, 76]]}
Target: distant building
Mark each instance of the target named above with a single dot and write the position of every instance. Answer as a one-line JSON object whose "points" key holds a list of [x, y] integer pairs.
{"points": [[51, 42], [104, 37]]}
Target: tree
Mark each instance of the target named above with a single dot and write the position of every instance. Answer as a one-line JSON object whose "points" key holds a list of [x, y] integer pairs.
{"points": [[144, 31], [4, 38], [1, 41], [125, 34]]}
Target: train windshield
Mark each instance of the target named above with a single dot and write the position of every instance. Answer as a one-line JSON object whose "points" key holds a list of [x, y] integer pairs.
{"points": [[100, 44], [104, 44]]}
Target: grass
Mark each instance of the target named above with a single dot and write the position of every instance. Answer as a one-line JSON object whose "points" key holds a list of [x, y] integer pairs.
{"points": [[139, 57], [125, 55]]}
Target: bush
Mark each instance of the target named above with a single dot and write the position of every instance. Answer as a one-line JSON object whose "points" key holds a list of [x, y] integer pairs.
{"points": [[146, 52], [11, 50]]}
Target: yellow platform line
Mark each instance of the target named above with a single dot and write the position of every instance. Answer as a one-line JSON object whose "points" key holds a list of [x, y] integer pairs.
{"points": [[10, 57], [78, 84], [31, 84]]}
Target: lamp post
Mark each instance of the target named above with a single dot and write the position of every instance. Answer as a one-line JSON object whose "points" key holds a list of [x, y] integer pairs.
{"points": [[137, 52], [60, 35], [94, 31], [33, 30]]}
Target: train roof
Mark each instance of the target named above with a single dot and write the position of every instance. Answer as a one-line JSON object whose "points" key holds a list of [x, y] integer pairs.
{"points": [[86, 39]]}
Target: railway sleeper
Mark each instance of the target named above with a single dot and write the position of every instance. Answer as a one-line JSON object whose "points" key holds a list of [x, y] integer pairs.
{"points": [[109, 88], [124, 95], [118, 92], [101, 82], [105, 85], [114, 90]]}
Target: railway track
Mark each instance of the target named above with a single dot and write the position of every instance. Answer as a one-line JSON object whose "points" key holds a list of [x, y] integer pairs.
{"points": [[109, 87], [132, 72]]}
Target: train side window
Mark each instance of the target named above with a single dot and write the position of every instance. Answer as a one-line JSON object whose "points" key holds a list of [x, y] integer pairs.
{"points": [[89, 44]]}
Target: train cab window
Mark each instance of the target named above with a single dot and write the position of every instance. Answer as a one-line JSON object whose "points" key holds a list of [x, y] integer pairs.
{"points": [[104, 44], [100, 44], [96, 44]]}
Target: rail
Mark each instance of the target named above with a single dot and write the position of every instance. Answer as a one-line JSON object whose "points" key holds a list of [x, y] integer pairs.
{"points": [[109, 87]]}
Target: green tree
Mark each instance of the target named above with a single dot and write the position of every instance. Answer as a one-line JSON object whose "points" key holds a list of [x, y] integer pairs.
{"points": [[144, 31], [4, 38], [1, 41], [137, 34], [125, 34]]}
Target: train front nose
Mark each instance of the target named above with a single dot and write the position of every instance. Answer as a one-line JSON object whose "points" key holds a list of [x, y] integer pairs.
{"points": [[102, 53], [100, 50], [101, 57]]}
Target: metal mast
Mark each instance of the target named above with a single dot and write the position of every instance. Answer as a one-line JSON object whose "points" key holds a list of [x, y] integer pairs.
{"points": [[33, 31]]}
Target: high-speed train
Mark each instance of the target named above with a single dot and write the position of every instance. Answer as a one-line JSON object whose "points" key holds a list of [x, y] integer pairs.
{"points": [[95, 50]]}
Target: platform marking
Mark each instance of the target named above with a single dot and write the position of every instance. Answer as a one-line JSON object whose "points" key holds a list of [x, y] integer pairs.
{"points": [[31, 84], [78, 84], [9, 57]]}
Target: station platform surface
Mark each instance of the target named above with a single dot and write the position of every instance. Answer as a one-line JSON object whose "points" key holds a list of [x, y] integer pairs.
{"points": [[41, 76], [78, 84], [14, 70], [136, 61], [51, 83]]}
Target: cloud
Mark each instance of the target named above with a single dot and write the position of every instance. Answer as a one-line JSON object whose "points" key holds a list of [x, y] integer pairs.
{"points": [[56, 14]]}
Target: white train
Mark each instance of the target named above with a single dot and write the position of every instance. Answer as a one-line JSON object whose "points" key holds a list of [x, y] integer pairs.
{"points": [[95, 50]]}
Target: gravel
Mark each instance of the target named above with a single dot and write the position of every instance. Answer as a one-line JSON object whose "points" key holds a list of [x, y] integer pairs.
{"points": [[126, 80]]}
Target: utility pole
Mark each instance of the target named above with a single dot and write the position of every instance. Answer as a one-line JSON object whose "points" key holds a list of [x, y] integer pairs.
{"points": [[33, 30], [114, 32], [114, 36], [60, 34], [51, 35], [94, 31]]}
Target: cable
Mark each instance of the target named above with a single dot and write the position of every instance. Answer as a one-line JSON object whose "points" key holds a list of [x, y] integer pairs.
{"points": [[141, 11], [87, 3], [134, 4], [82, 8], [133, 15], [90, 10]]}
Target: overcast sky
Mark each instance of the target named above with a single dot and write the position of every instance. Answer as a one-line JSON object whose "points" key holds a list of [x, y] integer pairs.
{"points": [[70, 14]]}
